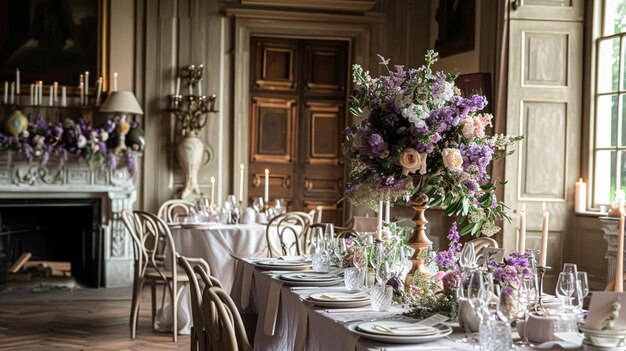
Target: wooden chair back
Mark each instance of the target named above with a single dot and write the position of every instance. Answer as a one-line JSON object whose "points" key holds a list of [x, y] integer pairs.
{"points": [[170, 210], [226, 331], [292, 229]]}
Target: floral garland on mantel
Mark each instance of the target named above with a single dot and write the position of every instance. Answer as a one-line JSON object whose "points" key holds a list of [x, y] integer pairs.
{"points": [[44, 139]]}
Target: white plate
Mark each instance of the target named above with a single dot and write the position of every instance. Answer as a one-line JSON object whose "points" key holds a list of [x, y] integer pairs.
{"points": [[395, 339], [196, 225], [276, 263], [310, 283], [339, 297], [311, 277], [412, 329], [340, 304]]}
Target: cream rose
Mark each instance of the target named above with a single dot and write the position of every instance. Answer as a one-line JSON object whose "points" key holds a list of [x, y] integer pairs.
{"points": [[411, 161], [452, 159]]}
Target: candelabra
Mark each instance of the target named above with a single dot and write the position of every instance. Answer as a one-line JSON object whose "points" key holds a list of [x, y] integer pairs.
{"points": [[541, 272], [191, 113]]}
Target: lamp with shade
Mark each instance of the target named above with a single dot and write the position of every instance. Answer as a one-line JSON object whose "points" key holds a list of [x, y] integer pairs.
{"points": [[122, 103]]}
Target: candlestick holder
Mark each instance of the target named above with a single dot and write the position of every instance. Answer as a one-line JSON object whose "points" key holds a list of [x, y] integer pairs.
{"points": [[541, 271], [191, 113]]}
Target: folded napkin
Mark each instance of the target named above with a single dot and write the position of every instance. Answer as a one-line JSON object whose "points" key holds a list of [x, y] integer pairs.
{"points": [[271, 311], [248, 273], [302, 329]]}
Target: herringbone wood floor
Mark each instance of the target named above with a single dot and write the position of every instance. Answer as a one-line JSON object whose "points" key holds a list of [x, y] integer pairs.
{"points": [[89, 320]]}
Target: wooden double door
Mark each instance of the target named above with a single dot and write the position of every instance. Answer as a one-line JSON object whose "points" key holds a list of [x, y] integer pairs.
{"points": [[297, 116]]}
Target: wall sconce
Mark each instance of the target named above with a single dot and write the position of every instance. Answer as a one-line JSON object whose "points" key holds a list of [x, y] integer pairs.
{"points": [[191, 112]]}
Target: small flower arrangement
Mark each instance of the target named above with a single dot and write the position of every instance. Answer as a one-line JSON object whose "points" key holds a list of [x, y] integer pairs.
{"points": [[61, 139], [436, 293], [420, 138]]}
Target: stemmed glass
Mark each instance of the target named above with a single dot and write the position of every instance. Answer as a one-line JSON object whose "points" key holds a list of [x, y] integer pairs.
{"points": [[376, 259], [257, 204], [474, 295], [584, 284], [528, 297], [340, 250], [359, 260], [508, 304], [565, 287]]}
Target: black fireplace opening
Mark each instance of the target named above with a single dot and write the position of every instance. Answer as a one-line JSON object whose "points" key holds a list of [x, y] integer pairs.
{"points": [[59, 230]]}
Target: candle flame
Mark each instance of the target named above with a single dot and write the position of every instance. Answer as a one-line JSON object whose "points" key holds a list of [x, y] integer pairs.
{"points": [[212, 179], [241, 166], [580, 180], [267, 171], [544, 206]]}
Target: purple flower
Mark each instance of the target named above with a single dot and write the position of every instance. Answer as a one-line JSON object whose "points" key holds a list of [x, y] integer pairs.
{"points": [[451, 280], [377, 144]]}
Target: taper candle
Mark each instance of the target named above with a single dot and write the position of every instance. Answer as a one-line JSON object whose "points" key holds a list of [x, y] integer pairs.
{"points": [[40, 97], [32, 91], [212, 191], [6, 92], [580, 196], [177, 86], [200, 88], [12, 93], [98, 91], [86, 87], [241, 177], [380, 218], [521, 247], [267, 186], [63, 96], [619, 263], [56, 92], [17, 80], [51, 97], [115, 81], [387, 210], [544, 237], [81, 87]]}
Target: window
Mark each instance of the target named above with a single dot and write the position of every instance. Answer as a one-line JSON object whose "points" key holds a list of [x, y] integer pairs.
{"points": [[609, 152]]}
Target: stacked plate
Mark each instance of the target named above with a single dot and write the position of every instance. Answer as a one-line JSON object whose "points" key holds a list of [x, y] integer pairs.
{"points": [[310, 279], [338, 299], [400, 332], [283, 264]]}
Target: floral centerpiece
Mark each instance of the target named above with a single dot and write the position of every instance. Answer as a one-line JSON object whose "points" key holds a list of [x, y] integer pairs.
{"points": [[43, 139], [437, 293], [419, 138]]}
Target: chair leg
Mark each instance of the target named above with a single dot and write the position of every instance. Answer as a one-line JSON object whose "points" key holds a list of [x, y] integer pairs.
{"points": [[153, 288], [174, 299], [194, 340], [134, 313]]}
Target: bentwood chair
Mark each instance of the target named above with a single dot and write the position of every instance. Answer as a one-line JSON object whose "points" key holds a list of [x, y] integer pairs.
{"points": [[223, 324], [316, 214], [146, 230], [199, 341], [170, 210], [481, 243], [292, 230]]}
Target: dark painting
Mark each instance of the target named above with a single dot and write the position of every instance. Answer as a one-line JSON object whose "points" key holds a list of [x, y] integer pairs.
{"points": [[48, 40], [456, 26]]}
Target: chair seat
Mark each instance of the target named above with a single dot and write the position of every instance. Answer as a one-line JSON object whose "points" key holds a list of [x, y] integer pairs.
{"points": [[152, 273]]}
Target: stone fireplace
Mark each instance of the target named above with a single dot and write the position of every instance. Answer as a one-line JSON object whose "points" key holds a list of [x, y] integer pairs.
{"points": [[71, 213]]}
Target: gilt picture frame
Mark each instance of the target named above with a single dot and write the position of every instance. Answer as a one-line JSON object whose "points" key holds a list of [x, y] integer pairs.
{"points": [[53, 41]]}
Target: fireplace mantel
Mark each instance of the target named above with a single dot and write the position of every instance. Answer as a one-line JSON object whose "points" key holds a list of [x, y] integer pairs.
{"points": [[76, 179]]}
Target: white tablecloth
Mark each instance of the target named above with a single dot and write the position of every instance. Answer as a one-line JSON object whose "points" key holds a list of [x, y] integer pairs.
{"points": [[324, 331], [217, 245]]}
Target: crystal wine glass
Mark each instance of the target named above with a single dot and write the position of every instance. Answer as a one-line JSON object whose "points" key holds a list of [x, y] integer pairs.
{"points": [[359, 259], [508, 304], [340, 250], [376, 258], [257, 204], [565, 287], [584, 284]]}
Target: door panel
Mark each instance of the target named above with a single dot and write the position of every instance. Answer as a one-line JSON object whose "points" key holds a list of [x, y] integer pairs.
{"points": [[544, 95], [297, 119], [551, 10]]}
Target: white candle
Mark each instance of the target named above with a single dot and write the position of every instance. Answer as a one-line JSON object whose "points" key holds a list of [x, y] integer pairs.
{"points": [[380, 218], [115, 81], [619, 263], [199, 88], [190, 89], [267, 185], [86, 87], [17, 80], [98, 90], [580, 196], [241, 177], [544, 237], [40, 97], [36, 93], [12, 92], [32, 91], [177, 86], [51, 102], [522, 230], [387, 211], [6, 92], [56, 92], [212, 191], [63, 96], [81, 88]]}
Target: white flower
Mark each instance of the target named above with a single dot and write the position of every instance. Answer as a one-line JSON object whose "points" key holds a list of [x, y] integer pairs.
{"points": [[411, 161], [104, 135], [452, 159], [39, 140], [443, 94], [402, 100], [81, 142], [416, 114]]}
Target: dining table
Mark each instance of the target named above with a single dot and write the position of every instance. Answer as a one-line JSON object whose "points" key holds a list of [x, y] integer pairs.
{"points": [[219, 245], [288, 320]]}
